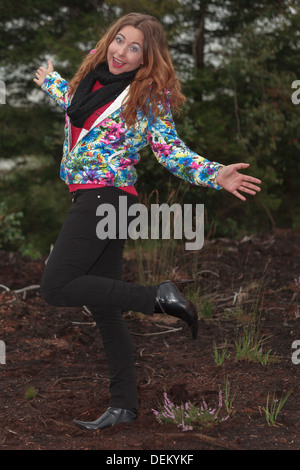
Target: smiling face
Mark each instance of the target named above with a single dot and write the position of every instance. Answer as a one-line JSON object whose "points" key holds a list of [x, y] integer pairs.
{"points": [[125, 53]]}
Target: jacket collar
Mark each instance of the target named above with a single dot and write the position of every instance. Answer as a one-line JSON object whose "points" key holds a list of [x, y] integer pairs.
{"points": [[116, 104]]}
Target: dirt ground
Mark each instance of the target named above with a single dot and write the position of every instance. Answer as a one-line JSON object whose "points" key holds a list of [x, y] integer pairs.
{"points": [[58, 353]]}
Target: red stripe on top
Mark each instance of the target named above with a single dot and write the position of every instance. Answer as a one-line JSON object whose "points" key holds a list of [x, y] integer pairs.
{"points": [[90, 120]]}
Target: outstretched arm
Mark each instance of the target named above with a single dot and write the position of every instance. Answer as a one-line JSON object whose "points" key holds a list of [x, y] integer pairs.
{"points": [[230, 179], [175, 155], [53, 84], [42, 73]]}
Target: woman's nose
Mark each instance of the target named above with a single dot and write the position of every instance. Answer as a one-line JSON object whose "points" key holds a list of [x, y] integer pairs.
{"points": [[122, 50]]}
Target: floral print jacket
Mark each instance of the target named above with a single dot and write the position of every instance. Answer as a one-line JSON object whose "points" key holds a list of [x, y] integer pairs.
{"points": [[108, 152]]}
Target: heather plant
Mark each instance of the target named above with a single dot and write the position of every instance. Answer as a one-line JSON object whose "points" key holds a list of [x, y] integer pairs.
{"points": [[188, 416]]}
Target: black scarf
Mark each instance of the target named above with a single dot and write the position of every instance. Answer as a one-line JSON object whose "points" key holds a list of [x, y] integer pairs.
{"points": [[85, 101]]}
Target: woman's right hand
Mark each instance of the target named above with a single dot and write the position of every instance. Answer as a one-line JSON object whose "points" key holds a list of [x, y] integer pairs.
{"points": [[230, 179], [42, 72]]}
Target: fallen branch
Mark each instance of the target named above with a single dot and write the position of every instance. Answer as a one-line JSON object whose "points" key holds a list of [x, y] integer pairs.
{"points": [[20, 291], [93, 323], [5, 287], [208, 271], [158, 333], [60, 423], [26, 289], [210, 440], [80, 377]]}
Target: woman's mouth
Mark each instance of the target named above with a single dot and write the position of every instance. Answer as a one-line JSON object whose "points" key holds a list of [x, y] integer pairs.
{"points": [[117, 63]]}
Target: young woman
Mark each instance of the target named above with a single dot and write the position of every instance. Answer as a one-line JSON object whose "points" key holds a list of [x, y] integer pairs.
{"points": [[119, 101]]}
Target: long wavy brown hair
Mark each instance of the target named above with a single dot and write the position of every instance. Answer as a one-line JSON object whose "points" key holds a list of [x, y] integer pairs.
{"points": [[155, 76]]}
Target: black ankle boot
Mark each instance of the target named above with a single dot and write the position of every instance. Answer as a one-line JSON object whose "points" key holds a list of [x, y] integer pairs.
{"points": [[111, 417], [170, 302]]}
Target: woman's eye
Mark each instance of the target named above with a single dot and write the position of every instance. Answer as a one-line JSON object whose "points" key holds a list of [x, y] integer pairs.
{"points": [[120, 40]]}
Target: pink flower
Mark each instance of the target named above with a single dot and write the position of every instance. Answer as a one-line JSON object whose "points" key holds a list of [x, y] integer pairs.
{"points": [[195, 165]]}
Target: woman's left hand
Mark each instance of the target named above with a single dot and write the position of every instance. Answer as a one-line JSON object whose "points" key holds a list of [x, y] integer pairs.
{"points": [[230, 179], [42, 73]]}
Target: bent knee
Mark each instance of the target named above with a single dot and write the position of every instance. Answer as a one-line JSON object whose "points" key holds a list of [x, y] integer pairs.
{"points": [[50, 295]]}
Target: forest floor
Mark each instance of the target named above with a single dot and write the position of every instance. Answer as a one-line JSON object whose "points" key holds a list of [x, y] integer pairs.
{"points": [[248, 291]]}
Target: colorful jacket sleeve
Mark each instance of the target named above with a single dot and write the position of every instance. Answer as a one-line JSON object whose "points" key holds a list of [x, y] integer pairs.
{"points": [[57, 88], [174, 155]]}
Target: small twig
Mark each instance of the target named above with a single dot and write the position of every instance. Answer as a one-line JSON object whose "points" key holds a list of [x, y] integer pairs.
{"points": [[149, 377], [86, 311], [60, 423], [19, 291], [267, 309], [38, 415], [26, 289], [10, 301], [203, 437], [141, 352], [184, 281], [5, 287], [217, 442], [50, 251], [13, 432], [80, 377], [161, 326], [208, 271], [158, 333]]}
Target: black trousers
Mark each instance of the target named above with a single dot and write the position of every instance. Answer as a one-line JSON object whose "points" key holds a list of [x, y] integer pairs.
{"points": [[86, 270]]}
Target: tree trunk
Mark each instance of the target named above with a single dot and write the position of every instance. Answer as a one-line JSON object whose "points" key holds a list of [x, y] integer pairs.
{"points": [[199, 42]]}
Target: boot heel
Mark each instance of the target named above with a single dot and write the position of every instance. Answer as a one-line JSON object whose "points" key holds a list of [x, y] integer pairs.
{"points": [[169, 301]]}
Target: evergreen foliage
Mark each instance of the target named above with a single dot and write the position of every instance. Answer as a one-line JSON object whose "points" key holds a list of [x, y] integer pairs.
{"points": [[237, 62]]}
